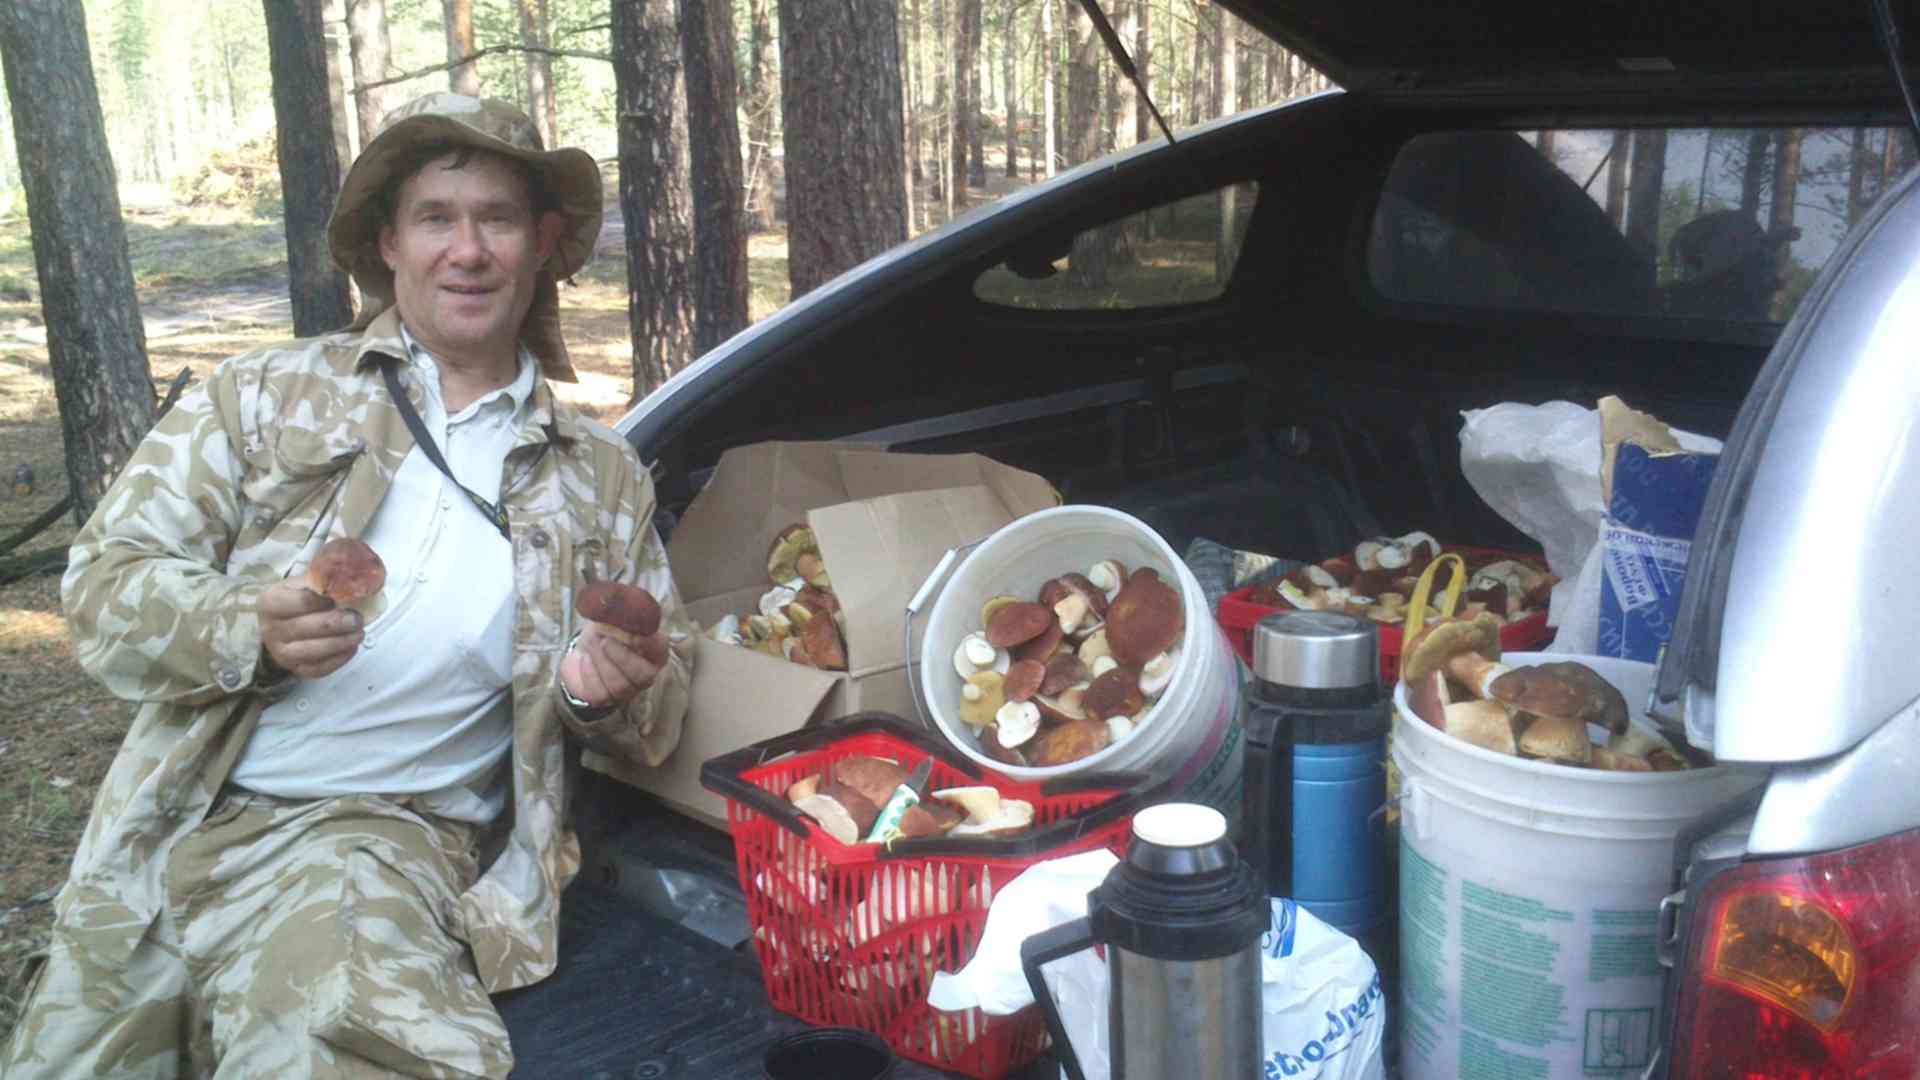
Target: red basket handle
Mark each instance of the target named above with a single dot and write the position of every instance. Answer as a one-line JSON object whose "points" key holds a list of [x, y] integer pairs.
{"points": [[721, 775]]}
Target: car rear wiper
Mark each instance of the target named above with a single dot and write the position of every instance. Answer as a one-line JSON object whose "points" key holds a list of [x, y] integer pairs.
{"points": [[1118, 50]]}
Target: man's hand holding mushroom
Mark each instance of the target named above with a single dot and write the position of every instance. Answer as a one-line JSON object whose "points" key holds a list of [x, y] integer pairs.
{"points": [[621, 647], [311, 626]]}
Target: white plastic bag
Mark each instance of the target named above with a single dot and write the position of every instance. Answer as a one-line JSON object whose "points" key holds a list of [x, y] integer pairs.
{"points": [[1323, 1012]]}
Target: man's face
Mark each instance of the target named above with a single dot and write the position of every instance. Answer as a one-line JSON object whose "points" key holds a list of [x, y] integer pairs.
{"points": [[464, 248]]}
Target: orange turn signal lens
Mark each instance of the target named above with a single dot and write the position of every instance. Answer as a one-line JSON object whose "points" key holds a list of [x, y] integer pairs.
{"points": [[1787, 950]]}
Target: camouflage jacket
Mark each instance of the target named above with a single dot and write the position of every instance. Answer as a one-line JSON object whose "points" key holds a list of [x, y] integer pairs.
{"points": [[235, 488]]}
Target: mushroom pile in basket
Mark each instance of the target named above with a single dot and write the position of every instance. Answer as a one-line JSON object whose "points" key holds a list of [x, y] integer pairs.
{"points": [[1456, 683], [845, 799], [799, 617], [1051, 680], [1377, 580]]}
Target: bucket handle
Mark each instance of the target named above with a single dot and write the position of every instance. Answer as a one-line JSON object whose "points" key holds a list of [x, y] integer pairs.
{"points": [[936, 580], [1417, 604]]}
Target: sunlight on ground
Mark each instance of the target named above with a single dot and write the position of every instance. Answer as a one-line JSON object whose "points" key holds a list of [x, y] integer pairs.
{"points": [[31, 631]]}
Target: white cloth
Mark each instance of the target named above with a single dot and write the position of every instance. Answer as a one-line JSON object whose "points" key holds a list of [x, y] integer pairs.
{"points": [[424, 707]]}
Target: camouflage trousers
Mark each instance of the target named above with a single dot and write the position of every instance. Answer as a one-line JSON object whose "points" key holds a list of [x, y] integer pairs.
{"points": [[300, 940]]}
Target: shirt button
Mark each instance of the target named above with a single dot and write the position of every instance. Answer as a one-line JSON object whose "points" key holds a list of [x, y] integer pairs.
{"points": [[229, 678], [367, 643], [303, 705], [263, 520], [539, 538], [421, 576]]}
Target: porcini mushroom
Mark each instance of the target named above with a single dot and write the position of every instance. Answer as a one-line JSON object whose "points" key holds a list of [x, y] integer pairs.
{"points": [[842, 811], [783, 555], [975, 653], [1486, 724], [1557, 738], [821, 640], [1014, 624], [1563, 689], [1070, 741], [626, 612], [1466, 649], [347, 571], [1024, 679], [1145, 619], [981, 697]]}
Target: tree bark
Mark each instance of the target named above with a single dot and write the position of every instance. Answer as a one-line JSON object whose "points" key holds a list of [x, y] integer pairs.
{"points": [[1753, 175], [96, 345], [339, 102], [840, 104], [719, 187], [965, 112], [1228, 73], [655, 201], [1087, 263], [1143, 64], [464, 79], [309, 167], [539, 68], [1009, 79], [976, 94], [1617, 178], [1049, 75], [760, 111], [367, 33], [940, 123]]}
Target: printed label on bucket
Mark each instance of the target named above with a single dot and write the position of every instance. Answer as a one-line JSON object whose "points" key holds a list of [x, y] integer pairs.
{"points": [[1504, 980], [1214, 775]]}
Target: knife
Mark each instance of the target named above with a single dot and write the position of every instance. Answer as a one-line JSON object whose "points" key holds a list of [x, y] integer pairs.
{"points": [[886, 827]]}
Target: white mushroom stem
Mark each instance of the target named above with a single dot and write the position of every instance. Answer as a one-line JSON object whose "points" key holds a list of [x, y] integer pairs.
{"points": [[976, 654], [1485, 724], [775, 600], [1018, 721], [1106, 577], [1102, 664], [1476, 672], [1298, 597], [1119, 727], [970, 692], [1157, 673], [1072, 610]]}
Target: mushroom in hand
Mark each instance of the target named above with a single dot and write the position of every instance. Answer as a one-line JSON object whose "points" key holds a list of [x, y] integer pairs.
{"points": [[624, 612], [347, 571]]}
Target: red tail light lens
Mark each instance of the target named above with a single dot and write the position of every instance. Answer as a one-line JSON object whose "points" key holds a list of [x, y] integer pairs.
{"points": [[1806, 968]]}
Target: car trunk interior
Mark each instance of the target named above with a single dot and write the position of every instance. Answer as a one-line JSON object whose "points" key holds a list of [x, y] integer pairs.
{"points": [[1295, 416]]}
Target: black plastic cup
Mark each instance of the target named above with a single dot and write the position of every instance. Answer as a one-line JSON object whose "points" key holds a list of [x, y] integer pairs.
{"points": [[829, 1054]]}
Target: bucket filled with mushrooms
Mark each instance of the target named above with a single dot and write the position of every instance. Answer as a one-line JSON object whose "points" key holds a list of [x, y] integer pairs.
{"points": [[1075, 640], [1539, 811]]}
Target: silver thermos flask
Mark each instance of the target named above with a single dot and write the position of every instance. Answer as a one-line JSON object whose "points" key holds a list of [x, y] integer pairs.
{"points": [[1181, 918]]}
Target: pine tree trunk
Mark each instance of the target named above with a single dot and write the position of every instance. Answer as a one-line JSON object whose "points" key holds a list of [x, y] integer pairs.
{"points": [[1049, 76], [1011, 87], [1647, 172], [464, 79], [911, 127], [760, 111], [334, 13], [719, 202], [1753, 176], [1143, 64], [96, 345], [1225, 252], [964, 110], [1617, 178], [1088, 261], [539, 67], [1197, 74], [840, 109], [940, 123], [309, 167], [976, 95], [655, 201], [367, 34]]}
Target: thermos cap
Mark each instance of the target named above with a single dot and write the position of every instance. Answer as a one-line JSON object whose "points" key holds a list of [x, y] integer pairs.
{"points": [[1180, 825], [1316, 650]]}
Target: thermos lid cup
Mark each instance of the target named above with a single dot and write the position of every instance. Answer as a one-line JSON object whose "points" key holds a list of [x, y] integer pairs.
{"points": [[1316, 650], [1180, 825]]}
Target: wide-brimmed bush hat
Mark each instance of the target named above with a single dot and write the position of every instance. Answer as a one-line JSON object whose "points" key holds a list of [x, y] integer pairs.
{"points": [[569, 176]]}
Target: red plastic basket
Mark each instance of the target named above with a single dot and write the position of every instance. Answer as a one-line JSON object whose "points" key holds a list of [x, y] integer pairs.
{"points": [[851, 934], [1237, 615]]}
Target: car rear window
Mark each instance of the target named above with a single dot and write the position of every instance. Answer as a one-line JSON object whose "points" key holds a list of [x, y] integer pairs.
{"points": [[1723, 224], [1182, 252]]}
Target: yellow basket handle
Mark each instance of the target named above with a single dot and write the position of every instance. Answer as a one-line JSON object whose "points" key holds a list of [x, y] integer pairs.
{"points": [[1417, 605]]}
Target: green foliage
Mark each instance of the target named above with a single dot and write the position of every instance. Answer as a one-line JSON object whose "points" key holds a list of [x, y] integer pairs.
{"points": [[128, 47]]}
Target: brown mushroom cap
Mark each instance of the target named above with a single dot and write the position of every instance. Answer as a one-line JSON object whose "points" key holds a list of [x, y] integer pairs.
{"points": [[871, 776], [991, 746], [1563, 690], [842, 811], [821, 640], [1024, 679], [1429, 699], [346, 571], [1117, 693], [1442, 640], [1096, 596], [1062, 671], [1013, 624], [1043, 646], [629, 609], [929, 817], [1145, 619], [1067, 742]]}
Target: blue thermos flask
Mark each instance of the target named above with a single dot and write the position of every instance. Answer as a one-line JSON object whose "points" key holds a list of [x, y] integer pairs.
{"points": [[1317, 719]]}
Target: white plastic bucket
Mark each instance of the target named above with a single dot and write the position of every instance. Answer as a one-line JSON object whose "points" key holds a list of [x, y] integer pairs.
{"points": [[1192, 737], [1530, 899]]}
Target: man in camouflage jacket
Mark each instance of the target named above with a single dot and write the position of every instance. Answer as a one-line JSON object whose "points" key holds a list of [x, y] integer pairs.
{"points": [[207, 927]]}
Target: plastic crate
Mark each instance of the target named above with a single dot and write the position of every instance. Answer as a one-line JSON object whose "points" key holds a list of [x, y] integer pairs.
{"points": [[851, 934], [1237, 615]]}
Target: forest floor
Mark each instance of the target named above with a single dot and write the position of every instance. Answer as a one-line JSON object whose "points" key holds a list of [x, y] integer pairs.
{"points": [[211, 284]]}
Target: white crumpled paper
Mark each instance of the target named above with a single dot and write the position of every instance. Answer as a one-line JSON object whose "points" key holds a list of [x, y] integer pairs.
{"points": [[1538, 466], [1323, 1013]]}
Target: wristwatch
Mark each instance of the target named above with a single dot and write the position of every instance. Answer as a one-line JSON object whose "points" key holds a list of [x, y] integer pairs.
{"points": [[582, 711]]}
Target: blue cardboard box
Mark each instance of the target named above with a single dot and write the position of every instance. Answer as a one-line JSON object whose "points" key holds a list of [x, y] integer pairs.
{"points": [[1645, 536]]}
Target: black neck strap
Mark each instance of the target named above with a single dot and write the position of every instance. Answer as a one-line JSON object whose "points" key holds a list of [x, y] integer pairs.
{"points": [[492, 511]]}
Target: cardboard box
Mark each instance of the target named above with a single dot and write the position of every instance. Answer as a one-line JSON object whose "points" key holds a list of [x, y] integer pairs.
{"points": [[1653, 490], [882, 521]]}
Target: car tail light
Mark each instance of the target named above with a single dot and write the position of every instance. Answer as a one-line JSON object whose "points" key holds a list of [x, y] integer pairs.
{"points": [[1806, 967]]}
